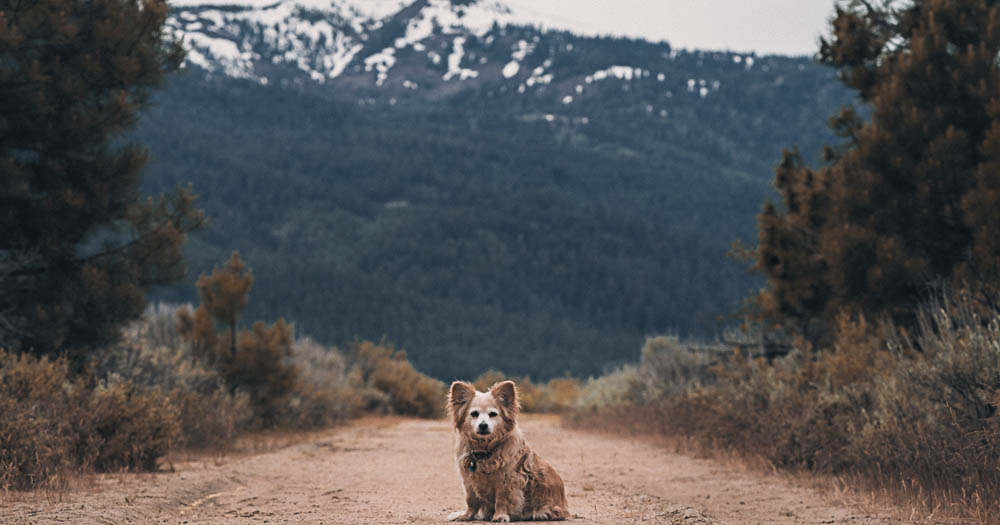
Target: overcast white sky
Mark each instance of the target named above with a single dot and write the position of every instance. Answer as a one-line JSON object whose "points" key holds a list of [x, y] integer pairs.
{"points": [[765, 26]]}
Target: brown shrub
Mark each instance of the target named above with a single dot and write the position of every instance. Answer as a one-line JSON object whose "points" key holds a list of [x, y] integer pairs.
{"points": [[532, 395], [52, 423], [212, 419], [123, 427], [911, 414], [490, 378], [209, 414], [253, 362], [557, 395], [260, 369], [35, 437], [403, 389]]}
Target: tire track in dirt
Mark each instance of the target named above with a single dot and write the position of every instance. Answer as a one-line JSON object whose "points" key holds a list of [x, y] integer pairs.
{"points": [[401, 471]]}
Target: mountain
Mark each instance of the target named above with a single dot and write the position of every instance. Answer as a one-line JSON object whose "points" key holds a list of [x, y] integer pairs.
{"points": [[477, 189]]}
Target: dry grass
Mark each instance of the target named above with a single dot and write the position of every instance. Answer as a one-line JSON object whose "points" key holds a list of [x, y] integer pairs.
{"points": [[911, 418]]}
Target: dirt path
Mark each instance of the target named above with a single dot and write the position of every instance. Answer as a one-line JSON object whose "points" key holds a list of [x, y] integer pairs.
{"points": [[384, 471]]}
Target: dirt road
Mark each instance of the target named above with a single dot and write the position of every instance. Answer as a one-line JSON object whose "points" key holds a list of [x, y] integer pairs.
{"points": [[385, 471]]}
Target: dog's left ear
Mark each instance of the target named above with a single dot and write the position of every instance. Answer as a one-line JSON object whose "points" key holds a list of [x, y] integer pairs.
{"points": [[506, 393]]}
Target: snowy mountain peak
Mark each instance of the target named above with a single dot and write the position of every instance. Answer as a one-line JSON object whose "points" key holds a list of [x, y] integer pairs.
{"points": [[321, 38], [397, 50]]}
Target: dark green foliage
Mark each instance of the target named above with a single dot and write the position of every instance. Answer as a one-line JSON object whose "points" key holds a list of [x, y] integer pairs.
{"points": [[78, 246], [912, 195], [474, 233]]}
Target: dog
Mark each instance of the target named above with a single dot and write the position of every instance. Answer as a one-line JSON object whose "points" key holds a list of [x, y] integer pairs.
{"points": [[504, 478]]}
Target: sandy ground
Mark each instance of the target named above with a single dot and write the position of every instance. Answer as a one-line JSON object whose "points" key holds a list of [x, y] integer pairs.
{"points": [[385, 471]]}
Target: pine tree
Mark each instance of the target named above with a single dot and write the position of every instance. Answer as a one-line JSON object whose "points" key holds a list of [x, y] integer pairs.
{"points": [[912, 196], [78, 245], [225, 293], [253, 360]]}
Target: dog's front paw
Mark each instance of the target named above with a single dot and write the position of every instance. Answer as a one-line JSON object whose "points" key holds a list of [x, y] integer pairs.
{"points": [[501, 517], [458, 516]]}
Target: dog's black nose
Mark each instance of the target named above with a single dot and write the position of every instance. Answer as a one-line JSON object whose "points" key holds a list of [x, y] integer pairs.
{"points": [[483, 427]]}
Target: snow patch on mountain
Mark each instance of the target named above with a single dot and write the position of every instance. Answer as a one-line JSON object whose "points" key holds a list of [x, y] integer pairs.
{"points": [[219, 54], [475, 19], [319, 37], [511, 69], [539, 76], [381, 62], [372, 9], [323, 37], [455, 68], [619, 72]]}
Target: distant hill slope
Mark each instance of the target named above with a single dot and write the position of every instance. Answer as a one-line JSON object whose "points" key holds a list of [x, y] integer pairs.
{"points": [[539, 218]]}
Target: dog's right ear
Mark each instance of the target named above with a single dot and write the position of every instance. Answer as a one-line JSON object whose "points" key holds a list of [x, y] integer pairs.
{"points": [[459, 395]]}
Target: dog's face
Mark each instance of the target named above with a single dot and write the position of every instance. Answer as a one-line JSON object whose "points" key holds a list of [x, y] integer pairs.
{"points": [[483, 415]]}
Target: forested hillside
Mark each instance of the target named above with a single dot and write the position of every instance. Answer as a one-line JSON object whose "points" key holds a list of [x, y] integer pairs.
{"points": [[483, 226]]}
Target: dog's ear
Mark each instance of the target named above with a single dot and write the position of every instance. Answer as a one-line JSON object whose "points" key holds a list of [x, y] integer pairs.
{"points": [[459, 395], [506, 393]]}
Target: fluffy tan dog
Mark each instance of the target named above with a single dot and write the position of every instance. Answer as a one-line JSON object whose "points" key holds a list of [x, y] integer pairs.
{"points": [[504, 479]]}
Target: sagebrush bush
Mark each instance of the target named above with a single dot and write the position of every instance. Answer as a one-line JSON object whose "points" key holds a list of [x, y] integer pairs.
{"points": [[559, 395], [52, 423], [323, 393], [916, 413], [124, 427], [405, 391], [260, 369], [36, 437], [935, 419], [613, 389], [153, 391], [253, 362], [667, 367], [210, 414]]}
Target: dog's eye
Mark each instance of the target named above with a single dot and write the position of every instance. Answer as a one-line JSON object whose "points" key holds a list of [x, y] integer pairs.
{"points": [[474, 413], [493, 414]]}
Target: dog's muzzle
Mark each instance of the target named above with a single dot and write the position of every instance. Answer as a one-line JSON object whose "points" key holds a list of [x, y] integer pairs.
{"points": [[483, 429]]}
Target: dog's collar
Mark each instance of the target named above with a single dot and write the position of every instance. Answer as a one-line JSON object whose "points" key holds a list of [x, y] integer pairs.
{"points": [[477, 456]]}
